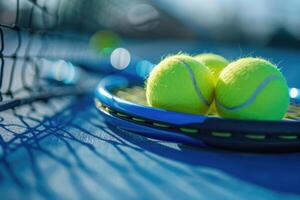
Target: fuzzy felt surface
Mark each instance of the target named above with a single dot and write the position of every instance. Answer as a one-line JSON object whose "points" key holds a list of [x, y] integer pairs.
{"points": [[180, 83], [252, 88]]}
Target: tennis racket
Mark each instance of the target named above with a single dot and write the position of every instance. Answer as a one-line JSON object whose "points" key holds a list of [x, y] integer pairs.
{"points": [[121, 99]]}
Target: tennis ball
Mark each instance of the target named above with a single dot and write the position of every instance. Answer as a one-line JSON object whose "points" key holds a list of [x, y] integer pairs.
{"points": [[180, 83], [252, 88], [214, 62]]}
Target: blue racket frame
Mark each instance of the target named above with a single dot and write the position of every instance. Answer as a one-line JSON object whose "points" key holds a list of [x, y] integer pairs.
{"points": [[192, 129]]}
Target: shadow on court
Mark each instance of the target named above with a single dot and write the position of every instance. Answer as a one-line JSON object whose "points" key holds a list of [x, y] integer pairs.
{"points": [[54, 152]]}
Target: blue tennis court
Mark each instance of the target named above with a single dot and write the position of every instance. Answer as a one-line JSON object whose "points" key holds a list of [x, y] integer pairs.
{"points": [[63, 147]]}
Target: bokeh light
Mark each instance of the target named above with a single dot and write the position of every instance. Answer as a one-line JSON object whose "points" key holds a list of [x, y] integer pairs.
{"points": [[105, 42], [61, 71], [143, 68], [294, 93], [120, 58]]}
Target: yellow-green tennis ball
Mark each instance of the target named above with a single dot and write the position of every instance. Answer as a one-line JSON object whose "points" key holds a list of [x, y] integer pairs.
{"points": [[214, 62], [180, 83], [252, 88]]}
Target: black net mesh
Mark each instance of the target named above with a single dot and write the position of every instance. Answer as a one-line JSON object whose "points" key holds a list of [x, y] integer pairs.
{"points": [[41, 56], [36, 46]]}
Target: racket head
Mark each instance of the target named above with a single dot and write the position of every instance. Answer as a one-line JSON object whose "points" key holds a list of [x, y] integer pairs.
{"points": [[191, 129]]}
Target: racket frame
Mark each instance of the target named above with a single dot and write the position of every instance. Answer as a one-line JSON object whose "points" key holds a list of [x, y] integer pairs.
{"points": [[192, 129]]}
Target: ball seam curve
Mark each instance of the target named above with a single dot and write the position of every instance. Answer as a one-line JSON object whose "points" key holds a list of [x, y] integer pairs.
{"points": [[252, 98], [194, 82]]}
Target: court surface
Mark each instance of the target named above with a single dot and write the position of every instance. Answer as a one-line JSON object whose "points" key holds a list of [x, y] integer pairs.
{"points": [[63, 149]]}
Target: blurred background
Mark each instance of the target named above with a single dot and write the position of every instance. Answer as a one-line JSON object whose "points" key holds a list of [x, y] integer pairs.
{"points": [[262, 22], [105, 35]]}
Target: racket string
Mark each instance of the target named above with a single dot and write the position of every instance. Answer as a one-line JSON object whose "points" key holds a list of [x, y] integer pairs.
{"points": [[137, 94]]}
